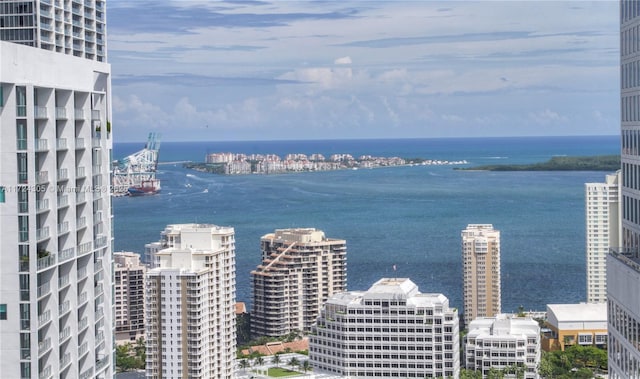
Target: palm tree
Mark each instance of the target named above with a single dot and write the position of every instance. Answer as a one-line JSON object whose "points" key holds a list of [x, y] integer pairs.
{"points": [[244, 363], [294, 362], [259, 361], [275, 360]]}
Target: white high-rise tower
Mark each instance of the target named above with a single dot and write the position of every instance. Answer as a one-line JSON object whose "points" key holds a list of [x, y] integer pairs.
{"points": [[190, 305], [602, 220], [55, 206]]}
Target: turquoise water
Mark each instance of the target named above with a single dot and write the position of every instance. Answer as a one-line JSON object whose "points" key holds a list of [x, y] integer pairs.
{"points": [[408, 216]]}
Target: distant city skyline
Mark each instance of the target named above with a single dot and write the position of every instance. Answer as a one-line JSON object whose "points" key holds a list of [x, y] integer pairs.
{"points": [[200, 70]]}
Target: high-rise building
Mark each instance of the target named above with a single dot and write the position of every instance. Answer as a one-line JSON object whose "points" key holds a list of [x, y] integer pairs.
{"points": [[55, 207], [75, 28], [481, 271], [129, 296], [623, 264], [602, 215], [300, 270], [190, 306], [503, 342], [389, 330]]}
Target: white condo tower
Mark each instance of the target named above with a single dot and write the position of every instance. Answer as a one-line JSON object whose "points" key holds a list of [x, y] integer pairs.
{"points": [[56, 289]]}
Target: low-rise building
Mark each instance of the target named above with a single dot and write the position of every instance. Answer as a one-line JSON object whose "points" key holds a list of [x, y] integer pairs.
{"points": [[504, 342], [571, 324], [389, 330]]}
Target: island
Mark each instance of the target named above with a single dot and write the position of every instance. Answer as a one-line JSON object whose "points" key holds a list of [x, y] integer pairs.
{"points": [[239, 164], [589, 163]]}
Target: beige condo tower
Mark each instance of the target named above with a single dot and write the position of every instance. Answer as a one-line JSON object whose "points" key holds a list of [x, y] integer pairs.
{"points": [[481, 269]]}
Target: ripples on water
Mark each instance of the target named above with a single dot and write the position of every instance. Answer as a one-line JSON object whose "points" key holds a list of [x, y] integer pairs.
{"points": [[408, 216]]}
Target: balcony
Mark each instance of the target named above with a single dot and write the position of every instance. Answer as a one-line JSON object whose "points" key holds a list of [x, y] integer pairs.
{"points": [[67, 254], [81, 222], [95, 115], [61, 144], [45, 374], [40, 112], [82, 298], [42, 233], [44, 290], [82, 324], [87, 374], [41, 144], [84, 248], [66, 359], [83, 349], [82, 273], [97, 266], [80, 198], [63, 201], [61, 113], [64, 334], [96, 142], [100, 242], [42, 205], [80, 172], [63, 174], [80, 143], [63, 227], [64, 308], [44, 346], [44, 318], [102, 363], [46, 262], [98, 290], [42, 177], [63, 281]]}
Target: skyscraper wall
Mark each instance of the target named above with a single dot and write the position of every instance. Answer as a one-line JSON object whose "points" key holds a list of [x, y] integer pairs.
{"points": [[481, 271]]}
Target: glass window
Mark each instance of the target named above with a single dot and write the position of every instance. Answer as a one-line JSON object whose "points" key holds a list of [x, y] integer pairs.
{"points": [[23, 200], [3, 311], [1, 96], [21, 101], [21, 134], [23, 228], [22, 168], [2, 194], [25, 317]]}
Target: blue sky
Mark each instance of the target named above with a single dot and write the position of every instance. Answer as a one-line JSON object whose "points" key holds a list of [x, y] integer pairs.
{"points": [[259, 70]]}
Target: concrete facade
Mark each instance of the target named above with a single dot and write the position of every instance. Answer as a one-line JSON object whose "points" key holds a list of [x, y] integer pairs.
{"points": [[190, 314], [55, 214], [389, 330], [481, 271], [603, 230], [503, 342], [300, 270]]}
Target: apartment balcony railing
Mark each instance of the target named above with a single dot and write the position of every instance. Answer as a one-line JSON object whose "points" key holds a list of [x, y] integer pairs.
{"points": [[98, 290], [63, 280], [80, 172], [42, 177], [82, 273], [44, 290], [61, 143], [66, 359], [83, 323], [40, 112], [81, 222], [46, 262], [78, 114], [97, 266], [80, 198], [42, 233], [41, 144], [80, 143], [63, 174], [64, 307], [82, 298], [84, 248], [100, 242], [42, 205], [96, 142], [87, 374], [95, 115], [44, 346], [66, 253], [63, 201], [102, 363], [63, 227], [45, 374], [64, 334], [61, 113], [83, 349], [44, 318]]}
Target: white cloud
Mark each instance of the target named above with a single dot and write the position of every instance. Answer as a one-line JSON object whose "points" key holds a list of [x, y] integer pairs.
{"points": [[343, 60]]}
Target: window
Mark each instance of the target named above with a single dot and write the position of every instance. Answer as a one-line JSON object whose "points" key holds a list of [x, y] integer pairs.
{"points": [[21, 134], [23, 228], [3, 311], [21, 101], [2, 191], [23, 176]]}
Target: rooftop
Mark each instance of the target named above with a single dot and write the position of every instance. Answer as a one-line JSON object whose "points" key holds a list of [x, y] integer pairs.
{"points": [[577, 312]]}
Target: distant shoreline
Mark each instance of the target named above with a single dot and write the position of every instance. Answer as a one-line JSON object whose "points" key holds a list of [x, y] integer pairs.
{"points": [[586, 163]]}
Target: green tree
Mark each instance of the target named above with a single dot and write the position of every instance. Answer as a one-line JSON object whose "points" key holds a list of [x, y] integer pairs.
{"points": [[259, 361], [294, 363], [276, 360], [306, 366]]}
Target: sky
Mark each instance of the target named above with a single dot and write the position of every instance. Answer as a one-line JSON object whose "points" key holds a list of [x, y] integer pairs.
{"points": [[297, 70]]}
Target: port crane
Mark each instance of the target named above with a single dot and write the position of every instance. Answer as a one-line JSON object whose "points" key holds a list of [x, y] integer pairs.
{"points": [[137, 170]]}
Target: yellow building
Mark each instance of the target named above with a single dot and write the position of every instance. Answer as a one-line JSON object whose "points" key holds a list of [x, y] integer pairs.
{"points": [[575, 324]]}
